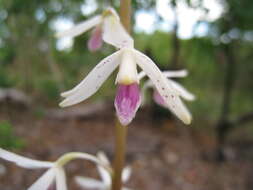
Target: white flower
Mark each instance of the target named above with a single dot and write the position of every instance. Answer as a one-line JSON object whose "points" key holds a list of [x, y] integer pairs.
{"points": [[54, 174], [107, 27], [128, 96], [106, 176], [184, 93]]}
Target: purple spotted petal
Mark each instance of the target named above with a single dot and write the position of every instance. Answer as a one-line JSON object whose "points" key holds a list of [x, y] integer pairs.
{"points": [[127, 102], [158, 99], [95, 42]]}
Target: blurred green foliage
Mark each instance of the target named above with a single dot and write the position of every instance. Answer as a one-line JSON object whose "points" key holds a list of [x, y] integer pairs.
{"points": [[7, 139]]}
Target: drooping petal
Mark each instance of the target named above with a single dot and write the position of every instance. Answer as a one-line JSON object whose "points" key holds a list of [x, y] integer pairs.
{"points": [[115, 34], [105, 176], [93, 81], [44, 182], [168, 74], [175, 74], [23, 161], [89, 183], [81, 27], [60, 179], [158, 99], [101, 156], [127, 102], [95, 42], [144, 88], [164, 88], [126, 173], [182, 91]]}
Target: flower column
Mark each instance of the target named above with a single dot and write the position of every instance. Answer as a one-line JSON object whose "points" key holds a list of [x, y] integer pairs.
{"points": [[121, 131]]}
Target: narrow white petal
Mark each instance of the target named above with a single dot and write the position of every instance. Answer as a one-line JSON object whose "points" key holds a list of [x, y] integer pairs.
{"points": [[141, 75], [60, 179], [114, 12], [168, 74], [115, 34], [101, 156], [23, 161], [147, 84], [164, 88], [44, 181], [126, 174], [93, 81], [175, 74], [182, 91], [105, 175], [80, 28], [89, 183]]}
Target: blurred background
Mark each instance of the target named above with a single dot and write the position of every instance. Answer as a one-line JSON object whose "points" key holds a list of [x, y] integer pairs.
{"points": [[212, 39]]}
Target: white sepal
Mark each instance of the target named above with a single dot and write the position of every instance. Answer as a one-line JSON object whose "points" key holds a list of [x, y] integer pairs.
{"points": [[128, 69], [44, 181], [165, 89], [126, 173], [80, 28], [168, 74], [92, 82], [115, 34], [89, 183], [60, 179], [105, 176], [24, 162], [101, 156], [175, 74], [182, 91]]}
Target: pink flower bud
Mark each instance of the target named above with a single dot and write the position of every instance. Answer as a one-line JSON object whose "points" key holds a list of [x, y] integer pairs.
{"points": [[95, 42]]}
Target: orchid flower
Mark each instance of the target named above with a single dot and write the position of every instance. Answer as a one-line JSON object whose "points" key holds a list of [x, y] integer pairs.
{"points": [[107, 27], [128, 96], [55, 174], [185, 94], [106, 176]]}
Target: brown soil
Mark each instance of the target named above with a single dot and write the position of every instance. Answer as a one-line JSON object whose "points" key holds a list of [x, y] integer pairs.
{"points": [[163, 155]]}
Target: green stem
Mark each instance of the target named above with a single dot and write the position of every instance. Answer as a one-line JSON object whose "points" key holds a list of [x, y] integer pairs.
{"points": [[121, 136], [121, 131], [125, 14]]}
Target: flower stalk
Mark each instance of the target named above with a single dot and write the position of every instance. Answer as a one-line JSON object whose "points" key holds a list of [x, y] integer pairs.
{"points": [[121, 131]]}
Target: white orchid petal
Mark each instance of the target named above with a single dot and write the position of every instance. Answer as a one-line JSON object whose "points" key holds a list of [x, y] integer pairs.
{"points": [[93, 81], [168, 74], [23, 161], [81, 27], [60, 179], [113, 12], [164, 87], [182, 91], [89, 183], [175, 74], [44, 181], [126, 173], [115, 34], [105, 175], [101, 156], [141, 75], [146, 85]]}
